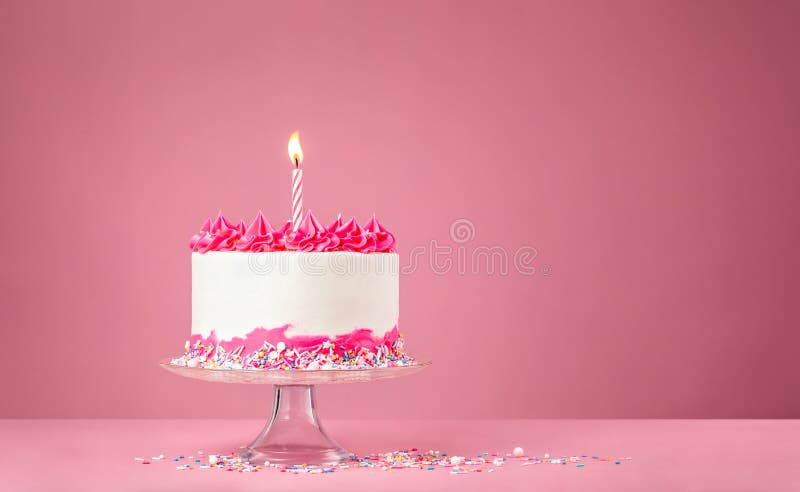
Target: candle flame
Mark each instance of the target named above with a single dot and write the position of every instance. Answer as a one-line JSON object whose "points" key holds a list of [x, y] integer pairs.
{"points": [[295, 151]]}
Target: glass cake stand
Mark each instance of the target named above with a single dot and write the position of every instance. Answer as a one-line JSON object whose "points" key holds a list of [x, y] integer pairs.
{"points": [[293, 435]]}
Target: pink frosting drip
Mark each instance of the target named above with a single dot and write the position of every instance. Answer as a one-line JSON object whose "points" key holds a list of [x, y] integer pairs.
{"points": [[259, 236], [256, 339]]}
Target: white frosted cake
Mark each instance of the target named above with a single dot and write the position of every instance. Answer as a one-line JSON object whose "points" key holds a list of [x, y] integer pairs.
{"points": [[315, 298], [311, 294]]}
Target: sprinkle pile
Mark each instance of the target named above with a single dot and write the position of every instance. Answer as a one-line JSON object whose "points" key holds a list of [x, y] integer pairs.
{"points": [[279, 357], [427, 461]]}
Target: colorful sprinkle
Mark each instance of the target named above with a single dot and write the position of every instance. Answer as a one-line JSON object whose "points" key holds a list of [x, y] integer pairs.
{"points": [[277, 357], [389, 462]]}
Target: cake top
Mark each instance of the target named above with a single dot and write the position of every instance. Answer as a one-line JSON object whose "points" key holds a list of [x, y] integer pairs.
{"points": [[311, 235]]}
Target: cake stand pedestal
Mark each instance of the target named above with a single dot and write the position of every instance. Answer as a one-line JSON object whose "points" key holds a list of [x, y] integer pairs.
{"points": [[293, 435]]}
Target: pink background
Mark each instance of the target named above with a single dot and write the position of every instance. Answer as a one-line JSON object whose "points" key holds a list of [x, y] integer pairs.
{"points": [[648, 151]]}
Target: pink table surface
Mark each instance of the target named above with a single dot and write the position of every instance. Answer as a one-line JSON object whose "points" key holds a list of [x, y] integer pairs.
{"points": [[667, 455]]}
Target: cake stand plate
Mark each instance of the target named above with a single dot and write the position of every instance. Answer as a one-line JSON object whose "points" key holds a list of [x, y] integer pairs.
{"points": [[293, 435]]}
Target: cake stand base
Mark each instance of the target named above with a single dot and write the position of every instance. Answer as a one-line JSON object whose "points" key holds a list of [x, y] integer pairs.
{"points": [[294, 435]]}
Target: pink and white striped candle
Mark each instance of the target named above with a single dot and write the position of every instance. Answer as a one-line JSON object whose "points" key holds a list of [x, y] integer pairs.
{"points": [[296, 156], [297, 198]]}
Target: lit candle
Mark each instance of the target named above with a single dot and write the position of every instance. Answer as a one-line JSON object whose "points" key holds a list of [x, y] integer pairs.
{"points": [[296, 156]]}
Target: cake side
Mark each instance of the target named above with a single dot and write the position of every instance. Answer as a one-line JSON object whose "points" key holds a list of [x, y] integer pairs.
{"points": [[310, 294]]}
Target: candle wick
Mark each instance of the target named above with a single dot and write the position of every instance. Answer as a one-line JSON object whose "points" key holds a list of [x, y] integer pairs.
{"points": [[296, 164]]}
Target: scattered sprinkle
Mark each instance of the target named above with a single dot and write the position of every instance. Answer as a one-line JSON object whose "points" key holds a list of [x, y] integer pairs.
{"points": [[395, 460]]}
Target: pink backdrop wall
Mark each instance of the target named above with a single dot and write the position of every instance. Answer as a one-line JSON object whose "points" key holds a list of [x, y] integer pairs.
{"points": [[647, 150]]}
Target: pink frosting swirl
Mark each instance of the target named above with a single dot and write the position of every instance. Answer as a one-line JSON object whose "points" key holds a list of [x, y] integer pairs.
{"points": [[352, 237], [219, 235], [312, 236], [336, 223], [260, 236], [383, 239], [201, 239]]}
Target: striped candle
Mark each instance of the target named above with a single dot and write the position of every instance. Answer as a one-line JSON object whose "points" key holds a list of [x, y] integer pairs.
{"points": [[297, 198], [296, 156]]}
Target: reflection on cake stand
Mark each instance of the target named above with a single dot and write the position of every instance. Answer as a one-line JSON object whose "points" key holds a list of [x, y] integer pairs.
{"points": [[293, 435]]}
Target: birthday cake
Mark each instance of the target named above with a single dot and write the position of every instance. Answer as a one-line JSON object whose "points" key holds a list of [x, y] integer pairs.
{"points": [[294, 298]]}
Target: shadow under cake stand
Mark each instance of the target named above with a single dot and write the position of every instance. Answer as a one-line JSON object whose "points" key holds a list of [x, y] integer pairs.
{"points": [[293, 435]]}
